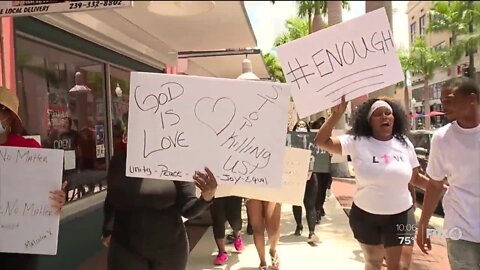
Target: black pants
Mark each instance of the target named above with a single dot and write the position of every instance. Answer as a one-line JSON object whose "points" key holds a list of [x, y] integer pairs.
{"points": [[18, 261], [121, 258], [324, 182], [309, 200], [226, 209]]}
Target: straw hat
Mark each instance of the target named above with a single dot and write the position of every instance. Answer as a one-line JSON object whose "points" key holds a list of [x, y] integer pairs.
{"points": [[10, 101]]}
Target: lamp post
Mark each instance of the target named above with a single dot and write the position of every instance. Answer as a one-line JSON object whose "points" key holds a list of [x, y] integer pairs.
{"points": [[247, 71]]}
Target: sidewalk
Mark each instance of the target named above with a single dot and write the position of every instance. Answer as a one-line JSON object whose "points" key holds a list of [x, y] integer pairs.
{"points": [[436, 260], [337, 248]]}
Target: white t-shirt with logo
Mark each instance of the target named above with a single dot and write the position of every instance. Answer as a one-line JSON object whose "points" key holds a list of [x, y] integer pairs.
{"points": [[383, 170], [455, 155]]}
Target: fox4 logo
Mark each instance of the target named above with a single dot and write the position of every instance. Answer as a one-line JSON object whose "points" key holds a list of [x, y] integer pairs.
{"points": [[453, 233]]}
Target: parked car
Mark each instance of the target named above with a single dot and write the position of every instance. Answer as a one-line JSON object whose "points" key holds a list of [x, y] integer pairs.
{"points": [[421, 140]]}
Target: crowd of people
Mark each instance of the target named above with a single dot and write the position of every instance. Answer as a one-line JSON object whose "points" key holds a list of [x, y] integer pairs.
{"points": [[387, 171], [143, 227]]}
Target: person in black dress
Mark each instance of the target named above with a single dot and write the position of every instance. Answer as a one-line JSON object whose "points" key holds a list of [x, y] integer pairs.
{"points": [[143, 225]]}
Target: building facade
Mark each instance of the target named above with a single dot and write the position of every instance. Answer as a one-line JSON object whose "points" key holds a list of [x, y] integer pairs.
{"points": [[418, 19]]}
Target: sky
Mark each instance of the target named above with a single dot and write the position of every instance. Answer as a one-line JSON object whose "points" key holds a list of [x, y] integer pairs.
{"points": [[268, 20]]}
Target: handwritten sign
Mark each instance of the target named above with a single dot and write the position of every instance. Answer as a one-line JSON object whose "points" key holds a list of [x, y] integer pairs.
{"points": [[352, 59], [306, 140], [27, 223], [294, 180], [179, 124], [29, 8]]}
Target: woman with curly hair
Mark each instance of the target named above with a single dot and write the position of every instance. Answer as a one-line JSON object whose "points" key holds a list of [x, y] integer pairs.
{"points": [[386, 167]]}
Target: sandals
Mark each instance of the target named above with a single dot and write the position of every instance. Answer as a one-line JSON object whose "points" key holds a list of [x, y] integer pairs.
{"points": [[275, 262]]}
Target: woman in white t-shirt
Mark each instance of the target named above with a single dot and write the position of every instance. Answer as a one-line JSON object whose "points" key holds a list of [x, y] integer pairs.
{"points": [[386, 168]]}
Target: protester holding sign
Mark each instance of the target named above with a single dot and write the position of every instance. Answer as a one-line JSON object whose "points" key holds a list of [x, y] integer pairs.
{"points": [[309, 197], [10, 129], [382, 216], [143, 218]]}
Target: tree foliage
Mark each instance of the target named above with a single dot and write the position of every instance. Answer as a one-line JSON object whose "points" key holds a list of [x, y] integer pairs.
{"points": [[455, 17], [424, 60], [296, 28], [274, 68]]}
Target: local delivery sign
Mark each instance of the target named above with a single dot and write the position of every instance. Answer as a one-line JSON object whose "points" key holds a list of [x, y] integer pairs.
{"points": [[29, 8]]}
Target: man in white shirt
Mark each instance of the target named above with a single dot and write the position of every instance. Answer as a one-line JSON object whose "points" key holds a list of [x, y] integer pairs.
{"points": [[455, 156]]}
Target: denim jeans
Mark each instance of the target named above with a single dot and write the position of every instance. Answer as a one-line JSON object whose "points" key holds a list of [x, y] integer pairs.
{"points": [[463, 255]]}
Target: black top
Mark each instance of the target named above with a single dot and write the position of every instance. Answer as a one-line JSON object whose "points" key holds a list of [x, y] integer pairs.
{"points": [[144, 215]]}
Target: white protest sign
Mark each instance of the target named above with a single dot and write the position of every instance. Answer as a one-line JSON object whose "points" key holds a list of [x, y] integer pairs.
{"points": [[353, 58], [294, 180], [29, 8], [180, 124], [27, 222]]}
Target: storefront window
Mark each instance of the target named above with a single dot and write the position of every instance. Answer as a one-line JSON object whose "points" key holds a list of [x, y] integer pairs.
{"points": [[119, 89], [62, 103]]}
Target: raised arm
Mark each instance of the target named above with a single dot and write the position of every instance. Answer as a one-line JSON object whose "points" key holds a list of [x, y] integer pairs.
{"points": [[324, 137]]}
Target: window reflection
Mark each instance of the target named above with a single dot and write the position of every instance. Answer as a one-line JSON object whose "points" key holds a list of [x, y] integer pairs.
{"points": [[62, 117], [120, 89]]}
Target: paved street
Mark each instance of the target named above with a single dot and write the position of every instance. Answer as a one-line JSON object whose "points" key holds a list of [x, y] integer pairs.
{"points": [[337, 248]]}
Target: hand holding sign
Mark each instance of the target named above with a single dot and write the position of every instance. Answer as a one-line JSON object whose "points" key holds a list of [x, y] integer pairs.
{"points": [[57, 198], [28, 218], [207, 184], [340, 109]]}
